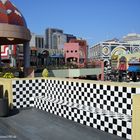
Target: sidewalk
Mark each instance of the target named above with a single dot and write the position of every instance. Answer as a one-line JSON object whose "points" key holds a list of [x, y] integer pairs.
{"points": [[33, 124]]}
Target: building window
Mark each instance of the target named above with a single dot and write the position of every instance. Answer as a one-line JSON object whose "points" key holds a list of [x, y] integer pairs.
{"points": [[71, 51], [76, 51], [67, 51], [135, 45]]}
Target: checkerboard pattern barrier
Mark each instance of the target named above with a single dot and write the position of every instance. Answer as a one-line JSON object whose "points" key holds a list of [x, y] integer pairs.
{"points": [[105, 107], [113, 98], [24, 92], [111, 122]]}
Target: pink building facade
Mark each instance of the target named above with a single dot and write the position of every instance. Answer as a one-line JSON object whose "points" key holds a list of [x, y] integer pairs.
{"points": [[76, 52]]}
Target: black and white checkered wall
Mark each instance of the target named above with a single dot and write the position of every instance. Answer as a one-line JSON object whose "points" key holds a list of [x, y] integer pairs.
{"points": [[113, 98], [105, 107], [24, 92], [111, 122]]}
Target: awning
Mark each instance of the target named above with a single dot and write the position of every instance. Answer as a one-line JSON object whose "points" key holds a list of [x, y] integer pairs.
{"points": [[33, 49], [134, 69], [57, 56]]}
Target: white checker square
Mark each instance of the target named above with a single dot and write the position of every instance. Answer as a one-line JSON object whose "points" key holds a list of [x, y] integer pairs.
{"points": [[120, 89], [119, 133], [88, 90], [98, 122], [88, 123], [124, 130], [105, 87], [124, 106], [97, 86], [88, 114], [84, 118], [81, 121], [129, 136], [94, 91], [91, 120], [110, 130], [102, 128], [112, 88], [102, 118], [120, 100], [94, 125], [114, 127], [108, 92], [106, 124]]}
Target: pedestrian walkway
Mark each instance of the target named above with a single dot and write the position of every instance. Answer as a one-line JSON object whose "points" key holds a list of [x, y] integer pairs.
{"points": [[34, 124]]}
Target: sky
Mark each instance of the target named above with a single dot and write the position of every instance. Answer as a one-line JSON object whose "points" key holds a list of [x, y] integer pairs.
{"points": [[93, 20]]}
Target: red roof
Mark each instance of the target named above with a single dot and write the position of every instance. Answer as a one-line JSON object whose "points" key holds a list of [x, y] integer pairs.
{"points": [[10, 14]]}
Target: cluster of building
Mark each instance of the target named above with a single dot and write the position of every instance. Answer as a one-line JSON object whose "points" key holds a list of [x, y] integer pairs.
{"points": [[109, 51], [49, 49], [57, 48]]}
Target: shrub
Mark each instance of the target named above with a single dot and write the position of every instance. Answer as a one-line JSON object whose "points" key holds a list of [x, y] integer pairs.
{"points": [[8, 75], [45, 73], [1, 74]]}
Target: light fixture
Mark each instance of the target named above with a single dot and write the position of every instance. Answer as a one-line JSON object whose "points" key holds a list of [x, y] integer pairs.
{"points": [[10, 38]]}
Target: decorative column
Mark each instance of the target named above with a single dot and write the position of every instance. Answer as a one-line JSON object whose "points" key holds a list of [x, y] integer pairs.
{"points": [[0, 55], [26, 57], [102, 68]]}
